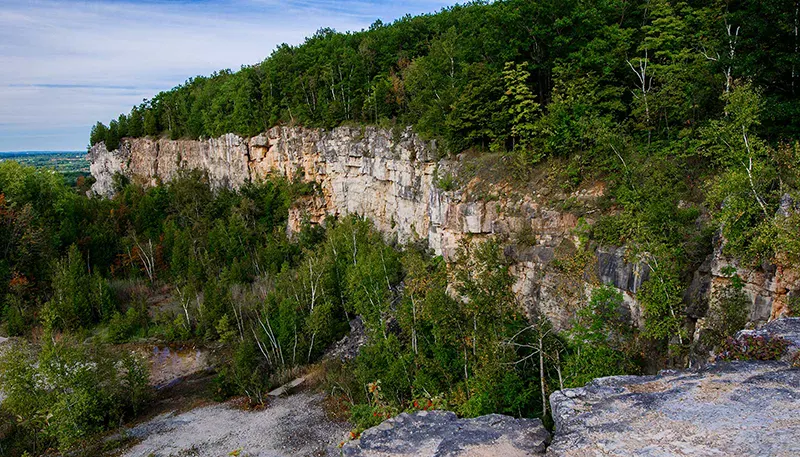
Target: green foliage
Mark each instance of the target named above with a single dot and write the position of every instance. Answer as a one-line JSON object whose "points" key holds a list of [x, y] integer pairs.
{"points": [[247, 374], [728, 311], [476, 356], [128, 326], [603, 341], [79, 299], [747, 194], [66, 392], [686, 138], [447, 182], [521, 106]]}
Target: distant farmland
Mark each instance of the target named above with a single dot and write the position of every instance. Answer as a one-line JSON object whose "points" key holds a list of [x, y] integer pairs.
{"points": [[72, 164]]}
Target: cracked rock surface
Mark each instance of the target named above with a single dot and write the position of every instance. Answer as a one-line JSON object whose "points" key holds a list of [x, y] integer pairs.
{"points": [[746, 408], [442, 434]]}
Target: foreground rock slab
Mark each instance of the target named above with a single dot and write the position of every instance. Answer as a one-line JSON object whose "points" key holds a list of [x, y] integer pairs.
{"points": [[442, 434], [727, 409]]}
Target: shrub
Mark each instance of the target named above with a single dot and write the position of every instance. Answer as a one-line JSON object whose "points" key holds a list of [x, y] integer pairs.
{"points": [[246, 374], [66, 392], [753, 347], [447, 182], [603, 342], [124, 327]]}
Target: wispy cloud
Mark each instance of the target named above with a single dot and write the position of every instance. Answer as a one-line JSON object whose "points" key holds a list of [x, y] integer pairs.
{"points": [[65, 64]]}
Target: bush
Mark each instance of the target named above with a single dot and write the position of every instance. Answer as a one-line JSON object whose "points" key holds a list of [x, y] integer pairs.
{"points": [[125, 327], [66, 392], [603, 342], [753, 347], [246, 374]]}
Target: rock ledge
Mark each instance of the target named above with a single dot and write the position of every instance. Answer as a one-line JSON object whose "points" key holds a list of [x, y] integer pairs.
{"points": [[742, 408], [443, 434]]}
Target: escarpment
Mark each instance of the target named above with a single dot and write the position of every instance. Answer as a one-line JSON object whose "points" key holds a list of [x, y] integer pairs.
{"points": [[396, 179]]}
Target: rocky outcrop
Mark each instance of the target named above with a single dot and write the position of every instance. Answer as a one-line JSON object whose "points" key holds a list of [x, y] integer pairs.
{"points": [[730, 409], [770, 288], [442, 434], [725, 409], [392, 177]]}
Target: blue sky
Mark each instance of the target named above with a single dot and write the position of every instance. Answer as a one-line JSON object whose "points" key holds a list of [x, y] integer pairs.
{"points": [[64, 64]]}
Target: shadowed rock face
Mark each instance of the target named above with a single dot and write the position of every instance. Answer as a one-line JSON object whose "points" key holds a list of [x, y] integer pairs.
{"points": [[442, 434], [726, 409]]}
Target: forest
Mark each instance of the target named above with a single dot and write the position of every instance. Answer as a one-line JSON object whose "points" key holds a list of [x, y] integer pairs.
{"points": [[78, 273], [685, 110]]}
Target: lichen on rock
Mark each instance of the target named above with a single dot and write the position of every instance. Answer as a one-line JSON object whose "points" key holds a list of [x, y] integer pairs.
{"points": [[743, 408], [442, 434]]}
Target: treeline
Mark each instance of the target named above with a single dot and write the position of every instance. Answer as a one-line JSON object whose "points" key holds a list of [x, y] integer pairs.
{"points": [[555, 77]]}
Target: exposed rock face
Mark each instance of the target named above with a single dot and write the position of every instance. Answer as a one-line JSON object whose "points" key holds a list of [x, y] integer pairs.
{"points": [[148, 161], [769, 288], [724, 409], [442, 434], [348, 347], [391, 178]]}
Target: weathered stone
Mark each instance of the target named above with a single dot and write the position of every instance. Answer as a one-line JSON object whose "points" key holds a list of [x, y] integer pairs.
{"points": [[787, 328], [787, 206], [768, 287], [442, 434], [349, 346], [614, 269], [723, 409], [287, 388], [728, 409]]}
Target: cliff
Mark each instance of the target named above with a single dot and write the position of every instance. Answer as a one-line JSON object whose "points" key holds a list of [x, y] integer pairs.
{"points": [[393, 178]]}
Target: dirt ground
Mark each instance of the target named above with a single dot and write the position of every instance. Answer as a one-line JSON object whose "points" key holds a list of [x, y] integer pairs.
{"points": [[289, 426]]}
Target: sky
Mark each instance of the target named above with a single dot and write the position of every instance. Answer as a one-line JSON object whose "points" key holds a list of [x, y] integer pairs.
{"points": [[65, 64]]}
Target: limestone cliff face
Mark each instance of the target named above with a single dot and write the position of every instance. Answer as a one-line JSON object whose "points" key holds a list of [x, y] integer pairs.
{"points": [[392, 179]]}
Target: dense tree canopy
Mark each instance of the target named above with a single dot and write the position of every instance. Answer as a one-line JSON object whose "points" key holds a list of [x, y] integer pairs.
{"points": [[657, 66]]}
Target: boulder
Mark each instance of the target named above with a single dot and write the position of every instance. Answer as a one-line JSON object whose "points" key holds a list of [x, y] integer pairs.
{"points": [[743, 408], [443, 434]]}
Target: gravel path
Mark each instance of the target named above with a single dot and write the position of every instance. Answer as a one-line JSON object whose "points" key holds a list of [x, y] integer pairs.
{"points": [[290, 426]]}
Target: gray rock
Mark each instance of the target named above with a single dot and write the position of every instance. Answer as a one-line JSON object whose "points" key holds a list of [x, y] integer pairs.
{"points": [[442, 434], [787, 328], [727, 409], [787, 206], [613, 269], [349, 346]]}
